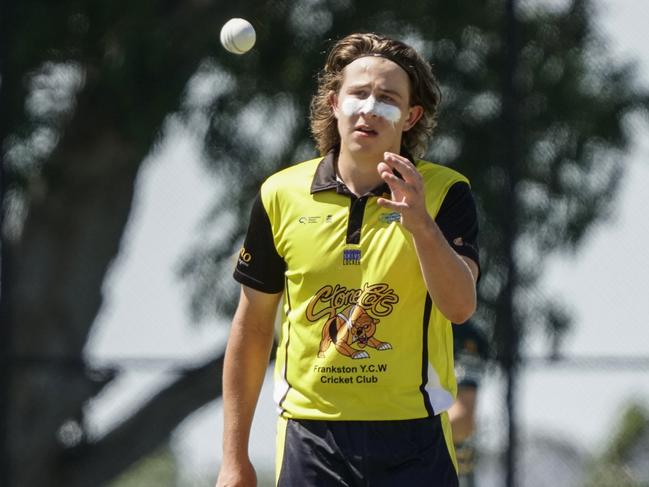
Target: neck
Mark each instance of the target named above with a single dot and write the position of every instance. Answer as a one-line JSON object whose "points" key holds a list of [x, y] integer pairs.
{"points": [[358, 171]]}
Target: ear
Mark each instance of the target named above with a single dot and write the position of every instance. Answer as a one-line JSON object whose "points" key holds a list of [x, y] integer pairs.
{"points": [[333, 102], [415, 112]]}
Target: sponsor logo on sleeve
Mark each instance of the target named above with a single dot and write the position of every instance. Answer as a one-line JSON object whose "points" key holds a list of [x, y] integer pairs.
{"points": [[460, 242], [245, 257]]}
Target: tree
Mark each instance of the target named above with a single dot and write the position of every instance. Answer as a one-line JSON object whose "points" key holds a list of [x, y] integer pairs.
{"points": [[107, 75], [623, 460], [154, 470], [86, 87]]}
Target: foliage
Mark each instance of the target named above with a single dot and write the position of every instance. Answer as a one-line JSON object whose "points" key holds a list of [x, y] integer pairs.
{"points": [[633, 425], [624, 459], [155, 470]]}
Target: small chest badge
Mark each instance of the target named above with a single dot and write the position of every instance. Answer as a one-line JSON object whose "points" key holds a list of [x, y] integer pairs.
{"points": [[390, 217], [351, 257]]}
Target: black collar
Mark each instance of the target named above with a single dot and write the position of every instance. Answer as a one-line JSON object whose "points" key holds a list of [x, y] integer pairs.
{"points": [[325, 176]]}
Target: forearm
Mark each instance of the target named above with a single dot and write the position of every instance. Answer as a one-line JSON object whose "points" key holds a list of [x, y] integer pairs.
{"points": [[246, 361], [462, 414], [449, 279]]}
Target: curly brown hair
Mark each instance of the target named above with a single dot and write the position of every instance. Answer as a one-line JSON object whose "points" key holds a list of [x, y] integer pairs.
{"points": [[424, 89]]}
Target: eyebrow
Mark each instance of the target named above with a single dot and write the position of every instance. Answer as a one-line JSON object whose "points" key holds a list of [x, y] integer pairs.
{"points": [[391, 92], [382, 90]]}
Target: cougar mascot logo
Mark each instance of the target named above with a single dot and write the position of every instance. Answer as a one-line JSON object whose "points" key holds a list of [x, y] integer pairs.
{"points": [[351, 326]]}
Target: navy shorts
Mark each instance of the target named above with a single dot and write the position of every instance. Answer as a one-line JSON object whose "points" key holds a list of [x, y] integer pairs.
{"points": [[404, 453]]}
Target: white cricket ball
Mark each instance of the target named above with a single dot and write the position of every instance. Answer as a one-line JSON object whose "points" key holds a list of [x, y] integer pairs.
{"points": [[238, 36]]}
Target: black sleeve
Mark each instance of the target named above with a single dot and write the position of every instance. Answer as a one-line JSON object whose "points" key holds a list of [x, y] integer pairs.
{"points": [[259, 266], [458, 220]]}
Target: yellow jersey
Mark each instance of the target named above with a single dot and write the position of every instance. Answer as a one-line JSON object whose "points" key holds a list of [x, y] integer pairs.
{"points": [[360, 337]]}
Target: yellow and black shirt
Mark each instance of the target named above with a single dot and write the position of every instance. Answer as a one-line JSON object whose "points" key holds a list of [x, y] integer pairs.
{"points": [[360, 337]]}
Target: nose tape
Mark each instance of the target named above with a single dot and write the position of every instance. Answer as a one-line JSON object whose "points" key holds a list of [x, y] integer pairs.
{"points": [[370, 106]]}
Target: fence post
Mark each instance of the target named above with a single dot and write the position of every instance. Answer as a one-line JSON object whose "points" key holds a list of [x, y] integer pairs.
{"points": [[5, 247], [509, 356]]}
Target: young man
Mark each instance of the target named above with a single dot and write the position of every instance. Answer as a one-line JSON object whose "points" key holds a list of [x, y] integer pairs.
{"points": [[374, 253]]}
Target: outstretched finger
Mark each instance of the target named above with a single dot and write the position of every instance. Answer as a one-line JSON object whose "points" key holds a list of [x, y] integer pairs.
{"points": [[402, 165], [394, 181], [390, 204]]}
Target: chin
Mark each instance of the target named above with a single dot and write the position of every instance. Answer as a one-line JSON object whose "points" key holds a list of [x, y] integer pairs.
{"points": [[366, 153], [367, 148]]}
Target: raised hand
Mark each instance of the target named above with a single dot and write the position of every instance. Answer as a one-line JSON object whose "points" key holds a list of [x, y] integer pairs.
{"points": [[407, 193]]}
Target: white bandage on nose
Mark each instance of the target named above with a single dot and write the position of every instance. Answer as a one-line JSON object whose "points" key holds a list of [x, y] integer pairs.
{"points": [[370, 106]]}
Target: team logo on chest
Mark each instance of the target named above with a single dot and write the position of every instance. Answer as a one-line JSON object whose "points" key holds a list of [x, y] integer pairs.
{"points": [[351, 327], [350, 317]]}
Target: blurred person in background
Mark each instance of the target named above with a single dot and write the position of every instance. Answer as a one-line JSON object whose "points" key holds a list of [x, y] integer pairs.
{"points": [[471, 351]]}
